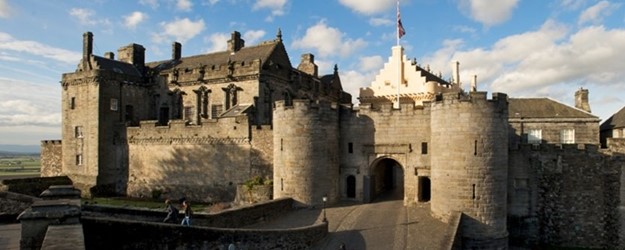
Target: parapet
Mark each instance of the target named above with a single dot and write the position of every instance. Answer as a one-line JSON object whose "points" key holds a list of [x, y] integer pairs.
{"points": [[51, 142], [306, 104], [476, 96]]}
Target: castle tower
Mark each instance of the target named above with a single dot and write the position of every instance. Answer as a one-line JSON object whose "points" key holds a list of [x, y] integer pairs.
{"points": [[305, 152], [469, 165]]}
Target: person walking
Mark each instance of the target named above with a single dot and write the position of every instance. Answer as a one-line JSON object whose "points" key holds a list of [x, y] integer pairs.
{"points": [[186, 207], [172, 212]]}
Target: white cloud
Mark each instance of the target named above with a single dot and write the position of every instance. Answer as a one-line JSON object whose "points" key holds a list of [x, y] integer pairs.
{"points": [[131, 21], [381, 22], [597, 12], [328, 41], [84, 16], [7, 42], [152, 3], [369, 63], [180, 30], [5, 9], [184, 5], [572, 4], [252, 36], [17, 107], [218, 41], [276, 6], [368, 7], [210, 2], [488, 12]]}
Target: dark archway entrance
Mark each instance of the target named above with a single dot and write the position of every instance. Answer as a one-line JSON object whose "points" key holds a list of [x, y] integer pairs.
{"points": [[351, 186], [387, 180]]}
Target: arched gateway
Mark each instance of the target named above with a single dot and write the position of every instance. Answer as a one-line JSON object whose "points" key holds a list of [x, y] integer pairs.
{"points": [[386, 180]]}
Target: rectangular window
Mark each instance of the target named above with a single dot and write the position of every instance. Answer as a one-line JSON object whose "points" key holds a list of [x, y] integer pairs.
{"points": [[424, 148], [78, 159], [350, 148], [114, 104], [78, 132], [72, 103], [567, 136], [534, 136]]}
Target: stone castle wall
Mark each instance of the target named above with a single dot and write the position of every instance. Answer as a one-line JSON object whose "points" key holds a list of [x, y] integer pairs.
{"points": [[564, 196], [203, 163], [51, 158], [469, 163], [377, 133], [306, 158]]}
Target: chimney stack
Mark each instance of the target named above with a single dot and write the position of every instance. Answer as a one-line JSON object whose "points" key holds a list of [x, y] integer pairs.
{"points": [[457, 74], [307, 65], [474, 83], [581, 100], [235, 43], [176, 51], [109, 55], [87, 45]]}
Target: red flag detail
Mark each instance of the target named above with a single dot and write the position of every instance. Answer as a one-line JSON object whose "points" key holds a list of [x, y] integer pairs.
{"points": [[400, 28]]}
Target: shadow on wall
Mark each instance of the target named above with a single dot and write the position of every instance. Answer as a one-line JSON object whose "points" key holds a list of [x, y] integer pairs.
{"points": [[200, 172]]}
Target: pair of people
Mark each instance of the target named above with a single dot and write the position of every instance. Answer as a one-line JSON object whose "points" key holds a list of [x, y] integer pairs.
{"points": [[172, 213]]}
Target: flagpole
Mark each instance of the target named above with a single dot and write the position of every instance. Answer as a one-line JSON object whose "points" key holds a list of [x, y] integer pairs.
{"points": [[400, 55]]}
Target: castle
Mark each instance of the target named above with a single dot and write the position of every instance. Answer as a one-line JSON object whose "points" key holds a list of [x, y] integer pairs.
{"points": [[522, 171]]}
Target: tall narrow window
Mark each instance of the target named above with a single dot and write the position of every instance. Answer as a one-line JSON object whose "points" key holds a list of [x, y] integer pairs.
{"points": [[534, 136], [114, 104], [79, 159], [474, 191], [188, 113], [72, 103], [350, 148], [281, 144], [567, 136], [424, 148], [78, 132], [475, 147]]}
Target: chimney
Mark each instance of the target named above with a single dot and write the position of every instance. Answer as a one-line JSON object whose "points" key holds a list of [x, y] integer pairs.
{"points": [[87, 45], [474, 83], [581, 100], [235, 43], [109, 55], [307, 65], [176, 51], [133, 54]]}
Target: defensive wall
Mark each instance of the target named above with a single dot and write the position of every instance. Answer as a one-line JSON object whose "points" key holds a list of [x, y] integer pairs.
{"points": [[51, 158], [565, 195], [306, 154], [201, 162]]}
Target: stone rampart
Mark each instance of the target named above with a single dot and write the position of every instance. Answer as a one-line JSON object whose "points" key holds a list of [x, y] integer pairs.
{"points": [[32, 186], [564, 195], [51, 158], [200, 162], [306, 167]]}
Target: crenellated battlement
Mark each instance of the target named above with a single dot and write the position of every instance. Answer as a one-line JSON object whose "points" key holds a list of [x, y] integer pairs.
{"points": [[51, 142], [224, 130], [556, 148], [476, 96], [306, 105]]}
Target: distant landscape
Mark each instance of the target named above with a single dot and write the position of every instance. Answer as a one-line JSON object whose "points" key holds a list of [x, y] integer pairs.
{"points": [[9, 149]]}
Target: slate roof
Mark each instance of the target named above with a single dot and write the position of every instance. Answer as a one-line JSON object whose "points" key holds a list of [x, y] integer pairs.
{"points": [[115, 66], [246, 54], [543, 108], [617, 120]]}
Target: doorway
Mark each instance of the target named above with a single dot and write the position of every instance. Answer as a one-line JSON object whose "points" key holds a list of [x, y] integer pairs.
{"points": [[387, 181], [351, 186]]}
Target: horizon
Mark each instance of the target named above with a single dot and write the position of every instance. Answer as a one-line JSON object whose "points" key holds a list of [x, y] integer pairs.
{"points": [[521, 48]]}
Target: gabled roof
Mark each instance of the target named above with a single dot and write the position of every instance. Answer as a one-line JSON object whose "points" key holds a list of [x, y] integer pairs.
{"points": [[617, 120], [543, 108], [262, 51], [115, 66]]}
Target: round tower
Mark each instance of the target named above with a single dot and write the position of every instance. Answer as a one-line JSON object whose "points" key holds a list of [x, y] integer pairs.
{"points": [[305, 152], [470, 165]]}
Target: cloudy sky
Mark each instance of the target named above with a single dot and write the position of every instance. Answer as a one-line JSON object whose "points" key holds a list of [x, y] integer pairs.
{"points": [[526, 48]]}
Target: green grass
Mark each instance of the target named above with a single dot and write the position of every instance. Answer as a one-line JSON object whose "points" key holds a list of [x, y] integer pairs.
{"points": [[19, 165], [138, 203]]}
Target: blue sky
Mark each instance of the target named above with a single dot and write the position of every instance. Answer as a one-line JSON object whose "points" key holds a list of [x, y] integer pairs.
{"points": [[525, 48]]}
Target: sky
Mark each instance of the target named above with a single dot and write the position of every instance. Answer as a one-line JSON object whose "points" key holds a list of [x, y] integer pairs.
{"points": [[525, 48]]}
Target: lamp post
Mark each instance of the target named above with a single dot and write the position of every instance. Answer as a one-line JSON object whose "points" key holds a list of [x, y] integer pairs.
{"points": [[325, 198]]}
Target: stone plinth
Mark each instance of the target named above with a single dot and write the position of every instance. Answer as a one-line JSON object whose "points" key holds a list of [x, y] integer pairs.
{"points": [[36, 219], [60, 192]]}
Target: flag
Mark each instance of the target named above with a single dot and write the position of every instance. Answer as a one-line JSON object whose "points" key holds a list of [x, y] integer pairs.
{"points": [[400, 28]]}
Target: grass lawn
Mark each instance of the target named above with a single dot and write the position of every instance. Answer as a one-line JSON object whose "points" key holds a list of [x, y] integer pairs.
{"points": [[19, 165]]}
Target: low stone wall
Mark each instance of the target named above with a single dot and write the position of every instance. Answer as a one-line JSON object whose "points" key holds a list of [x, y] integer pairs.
{"points": [[33, 186], [12, 204], [258, 193], [107, 233], [453, 234], [64, 237], [231, 218]]}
